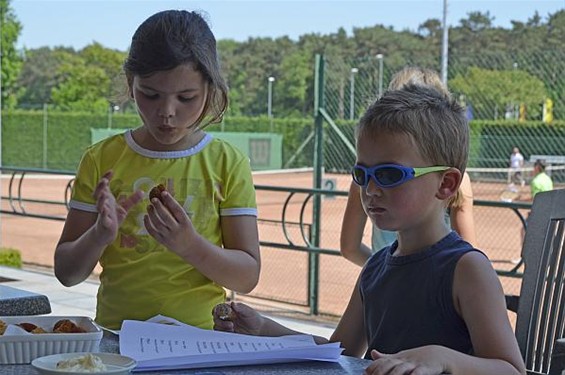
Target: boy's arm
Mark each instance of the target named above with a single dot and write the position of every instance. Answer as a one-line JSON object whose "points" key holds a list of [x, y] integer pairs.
{"points": [[479, 299], [495, 348], [350, 330], [352, 228]]}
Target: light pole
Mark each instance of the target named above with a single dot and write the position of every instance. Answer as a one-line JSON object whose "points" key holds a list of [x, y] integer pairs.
{"points": [[380, 59], [444, 46], [352, 93], [270, 102]]}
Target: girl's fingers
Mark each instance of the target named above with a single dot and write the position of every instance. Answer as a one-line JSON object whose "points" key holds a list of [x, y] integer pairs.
{"points": [[132, 200], [176, 209]]}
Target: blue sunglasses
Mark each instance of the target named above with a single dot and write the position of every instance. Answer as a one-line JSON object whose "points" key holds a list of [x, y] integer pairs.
{"points": [[389, 175]]}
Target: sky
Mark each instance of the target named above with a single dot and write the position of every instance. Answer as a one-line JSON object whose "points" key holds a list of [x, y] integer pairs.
{"points": [[78, 23]]}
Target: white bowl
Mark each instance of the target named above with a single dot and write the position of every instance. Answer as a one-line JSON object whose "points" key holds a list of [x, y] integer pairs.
{"points": [[20, 349]]}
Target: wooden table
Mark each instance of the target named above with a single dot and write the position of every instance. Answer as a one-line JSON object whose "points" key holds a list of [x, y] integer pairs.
{"points": [[15, 301]]}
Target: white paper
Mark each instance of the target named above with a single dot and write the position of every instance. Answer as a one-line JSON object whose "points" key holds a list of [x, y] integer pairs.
{"points": [[157, 346]]}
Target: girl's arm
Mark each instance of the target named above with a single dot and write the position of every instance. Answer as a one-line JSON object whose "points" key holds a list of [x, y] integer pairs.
{"points": [[78, 249], [479, 299], [85, 235], [352, 228], [245, 320], [235, 266], [461, 217], [350, 330]]}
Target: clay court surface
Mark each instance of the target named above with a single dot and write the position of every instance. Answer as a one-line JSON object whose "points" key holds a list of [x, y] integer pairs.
{"points": [[285, 272]]}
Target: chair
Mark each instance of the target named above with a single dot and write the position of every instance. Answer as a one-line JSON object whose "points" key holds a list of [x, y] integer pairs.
{"points": [[540, 316]]}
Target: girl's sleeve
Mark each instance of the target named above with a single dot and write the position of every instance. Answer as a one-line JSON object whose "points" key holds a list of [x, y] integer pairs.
{"points": [[239, 196], [85, 182]]}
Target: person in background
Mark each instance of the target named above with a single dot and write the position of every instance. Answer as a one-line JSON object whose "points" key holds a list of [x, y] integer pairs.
{"points": [[459, 212], [516, 165], [173, 253], [430, 303], [541, 181]]}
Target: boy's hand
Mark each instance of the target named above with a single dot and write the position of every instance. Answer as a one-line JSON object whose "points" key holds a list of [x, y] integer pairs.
{"points": [[423, 361], [242, 319]]}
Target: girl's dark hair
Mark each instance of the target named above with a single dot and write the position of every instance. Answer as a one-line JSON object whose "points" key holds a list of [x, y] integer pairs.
{"points": [[176, 37]]}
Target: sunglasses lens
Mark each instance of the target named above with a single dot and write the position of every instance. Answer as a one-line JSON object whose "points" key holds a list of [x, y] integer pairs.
{"points": [[359, 176], [389, 175]]}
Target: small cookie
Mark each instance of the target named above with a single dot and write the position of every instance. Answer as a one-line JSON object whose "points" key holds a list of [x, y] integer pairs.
{"points": [[38, 330], [28, 327], [225, 312], [3, 327], [156, 192], [67, 326]]}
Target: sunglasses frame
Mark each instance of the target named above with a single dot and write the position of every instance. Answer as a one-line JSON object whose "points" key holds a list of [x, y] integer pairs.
{"points": [[408, 173]]}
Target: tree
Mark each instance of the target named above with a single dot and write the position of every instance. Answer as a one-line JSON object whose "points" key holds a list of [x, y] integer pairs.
{"points": [[11, 62], [84, 88], [40, 74], [490, 92]]}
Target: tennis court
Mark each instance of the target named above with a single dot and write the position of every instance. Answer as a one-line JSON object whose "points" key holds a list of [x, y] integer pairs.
{"points": [[285, 272]]}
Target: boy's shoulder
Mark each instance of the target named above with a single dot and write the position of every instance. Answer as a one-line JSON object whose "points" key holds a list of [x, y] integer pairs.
{"points": [[449, 248]]}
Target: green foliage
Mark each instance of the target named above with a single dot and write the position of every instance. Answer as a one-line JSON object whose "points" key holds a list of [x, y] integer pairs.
{"points": [[486, 89], [11, 60], [10, 257], [85, 88], [497, 138], [536, 46], [68, 135]]}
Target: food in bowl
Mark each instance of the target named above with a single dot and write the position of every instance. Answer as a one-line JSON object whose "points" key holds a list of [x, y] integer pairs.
{"points": [[61, 326], [67, 326], [31, 328], [84, 363]]}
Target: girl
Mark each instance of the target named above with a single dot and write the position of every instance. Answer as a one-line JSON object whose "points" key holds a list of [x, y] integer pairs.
{"points": [[173, 254]]}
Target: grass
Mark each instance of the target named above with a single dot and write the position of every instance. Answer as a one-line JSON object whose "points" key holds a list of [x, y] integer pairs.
{"points": [[10, 257]]}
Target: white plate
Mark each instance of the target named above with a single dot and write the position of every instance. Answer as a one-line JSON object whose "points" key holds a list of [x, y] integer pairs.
{"points": [[116, 364]]}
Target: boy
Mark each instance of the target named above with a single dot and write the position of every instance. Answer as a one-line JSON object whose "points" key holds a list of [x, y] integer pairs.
{"points": [[430, 301]]}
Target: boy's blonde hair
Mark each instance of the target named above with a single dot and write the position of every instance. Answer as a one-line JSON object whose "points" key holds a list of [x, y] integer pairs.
{"points": [[435, 122], [422, 76]]}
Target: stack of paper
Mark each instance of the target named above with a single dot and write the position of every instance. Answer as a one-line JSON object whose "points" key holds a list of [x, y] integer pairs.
{"points": [[157, 346]]}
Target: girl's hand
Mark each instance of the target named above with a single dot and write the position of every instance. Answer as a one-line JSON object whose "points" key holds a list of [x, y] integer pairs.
{"points": [[243, 319], [422, 361], [111, 213], [169, 224]]}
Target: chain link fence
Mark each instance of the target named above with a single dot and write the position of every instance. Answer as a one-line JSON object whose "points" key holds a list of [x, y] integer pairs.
{"points": [[513, 101]]}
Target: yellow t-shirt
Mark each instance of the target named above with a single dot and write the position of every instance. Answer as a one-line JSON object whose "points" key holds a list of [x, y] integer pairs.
{"points": [[140, 277]]}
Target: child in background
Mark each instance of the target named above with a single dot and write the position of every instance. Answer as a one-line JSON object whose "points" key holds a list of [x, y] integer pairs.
{"points": [[430, 303], [175, 253], [460, 210]]}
